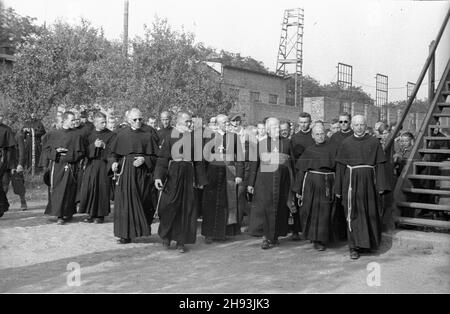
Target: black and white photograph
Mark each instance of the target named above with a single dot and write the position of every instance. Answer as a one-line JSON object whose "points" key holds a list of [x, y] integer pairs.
{"points": [[224, 153]]}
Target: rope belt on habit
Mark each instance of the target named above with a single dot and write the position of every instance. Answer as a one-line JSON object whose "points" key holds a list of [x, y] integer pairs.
{"points": [[327, 189], [349, 195]]}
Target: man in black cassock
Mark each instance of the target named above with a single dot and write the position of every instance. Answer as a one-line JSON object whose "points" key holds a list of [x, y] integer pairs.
{"points": [[96, 186], [338, 217], [33, 130], [64, 149], [299, 142], [314, 187], [7, 159], [15, 176], [181, 172], [270, 181], [166, 129], [360, 180], [224, 170], [132, 153]]}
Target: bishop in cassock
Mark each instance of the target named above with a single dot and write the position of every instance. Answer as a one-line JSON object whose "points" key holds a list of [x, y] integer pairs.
{"points": [[132, 152], [177, 167], [95, 189], [360, 180], [270, 181], [224, 170], [314, 186]]}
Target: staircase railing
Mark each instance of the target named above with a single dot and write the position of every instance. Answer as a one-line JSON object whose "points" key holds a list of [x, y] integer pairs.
{"points": [[429, 62]]}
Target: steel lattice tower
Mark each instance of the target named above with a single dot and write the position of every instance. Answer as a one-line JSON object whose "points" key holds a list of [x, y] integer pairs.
{"points": [[290, 51]]}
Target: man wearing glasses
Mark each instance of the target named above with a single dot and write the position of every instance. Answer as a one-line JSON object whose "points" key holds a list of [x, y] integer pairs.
{"points": [[133, 153], [345, 130]]}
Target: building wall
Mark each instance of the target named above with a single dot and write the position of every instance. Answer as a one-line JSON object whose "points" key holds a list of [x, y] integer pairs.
{"points": [[247, 82]]}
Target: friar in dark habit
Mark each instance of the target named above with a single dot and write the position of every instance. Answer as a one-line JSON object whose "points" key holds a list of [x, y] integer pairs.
{"points": [[361, 178], [314, 188], [181, 170], [64, 149], [166, 129], [95, 189], [132, 155], [33, 131], [15, 176], [338, 217], [270, 182], [225, 170], [7, 159], [299, 142]]}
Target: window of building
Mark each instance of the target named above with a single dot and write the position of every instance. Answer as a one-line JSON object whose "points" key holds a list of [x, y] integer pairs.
{"points": [[254, 96], [273, 99]]}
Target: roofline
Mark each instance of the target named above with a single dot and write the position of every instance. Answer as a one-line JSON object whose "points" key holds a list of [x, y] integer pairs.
{"points": [[7, 57], [253, 72]]}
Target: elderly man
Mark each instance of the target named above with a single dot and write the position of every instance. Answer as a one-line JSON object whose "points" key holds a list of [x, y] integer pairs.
{"points": [[178, 168], [131, 152], [285, 129], [270, 180], [360, 180], [152, 122], [64, 148], [95, 190], [225, 171], [314, 187]]}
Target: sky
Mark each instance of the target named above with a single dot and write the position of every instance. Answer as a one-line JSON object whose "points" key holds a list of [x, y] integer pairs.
{"points": [[386, 37]]}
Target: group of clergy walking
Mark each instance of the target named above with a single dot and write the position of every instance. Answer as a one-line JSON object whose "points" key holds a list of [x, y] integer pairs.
{"points": [[327, 189]]}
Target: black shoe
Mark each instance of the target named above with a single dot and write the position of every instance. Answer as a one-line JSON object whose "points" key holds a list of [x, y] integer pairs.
{"points": [[319, 246], [123, 241], [266, 245], [354, 254], [166, 243], [181, 248], [99, 220], [60, 221], [88, 220], [68, 218]]}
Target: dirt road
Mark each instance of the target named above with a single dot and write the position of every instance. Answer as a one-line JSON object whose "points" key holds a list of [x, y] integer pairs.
{"points": [[35, 254]]}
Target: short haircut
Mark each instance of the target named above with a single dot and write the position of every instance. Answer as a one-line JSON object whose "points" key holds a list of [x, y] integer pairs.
{"points": [[346, 114], [305, 115], [99, 115], [408, 134], [66, 115], [334, 121], [285, 122]]}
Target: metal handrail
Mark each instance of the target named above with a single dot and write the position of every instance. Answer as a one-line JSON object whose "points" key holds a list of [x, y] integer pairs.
{"points": [[419, 81]]}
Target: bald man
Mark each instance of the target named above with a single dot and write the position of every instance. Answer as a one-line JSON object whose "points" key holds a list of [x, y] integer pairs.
{"points": [[270, 180], [166, 129], [314, 186], [360, 180], [225, 172], [132, 152], [177, 167]]}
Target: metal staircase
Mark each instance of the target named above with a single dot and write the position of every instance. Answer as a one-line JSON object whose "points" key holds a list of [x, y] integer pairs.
{"points": [[422, 192]]}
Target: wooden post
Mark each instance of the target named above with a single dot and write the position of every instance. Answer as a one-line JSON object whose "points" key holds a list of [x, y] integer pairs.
{"points": [[125, 28], [431, 75]]}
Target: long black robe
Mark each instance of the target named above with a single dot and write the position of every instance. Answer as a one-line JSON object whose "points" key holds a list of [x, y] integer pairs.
{"points": [[164, 134], [132, 212], [367, 183], [271, 179], [63, 171], [338, 137], [177, 210], [16, 179], [39, 132], [220, 197], [7, 160], [299, 142], [317, 190], [96, 186], [84, 130]]}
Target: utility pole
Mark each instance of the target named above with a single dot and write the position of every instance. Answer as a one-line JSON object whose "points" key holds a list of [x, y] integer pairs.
{"points": [[125, 28]]}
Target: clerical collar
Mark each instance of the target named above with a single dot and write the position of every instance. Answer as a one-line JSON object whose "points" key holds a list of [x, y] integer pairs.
{"points": [[359, 136], [309, 130], [349, 130]]}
